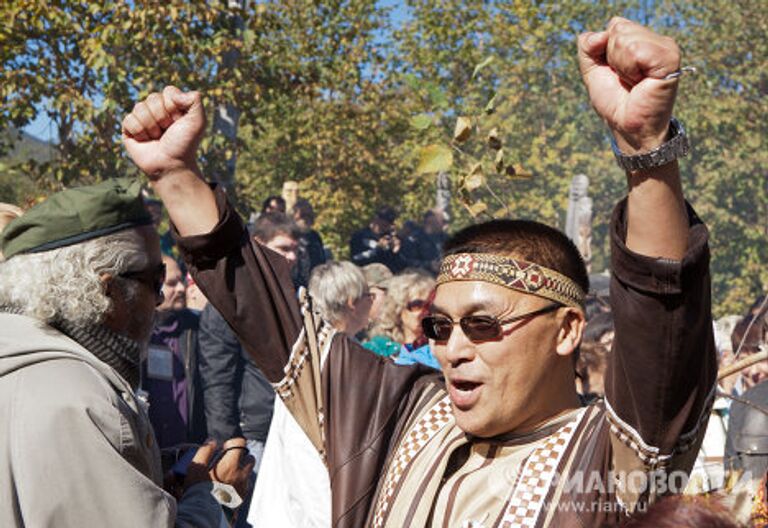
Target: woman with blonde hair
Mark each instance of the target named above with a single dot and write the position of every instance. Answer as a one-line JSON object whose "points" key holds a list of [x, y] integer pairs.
{"points": [[399, 320]]}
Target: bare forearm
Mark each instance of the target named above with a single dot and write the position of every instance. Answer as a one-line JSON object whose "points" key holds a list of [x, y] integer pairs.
{"points": [[657, 223], [189, 200]]}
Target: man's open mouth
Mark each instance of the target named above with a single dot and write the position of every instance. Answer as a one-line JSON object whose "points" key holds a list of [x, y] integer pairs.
{"points": [[464, 393]]}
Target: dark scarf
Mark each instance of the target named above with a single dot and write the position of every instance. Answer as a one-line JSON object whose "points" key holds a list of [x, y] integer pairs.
{"points": [[119, 352]]}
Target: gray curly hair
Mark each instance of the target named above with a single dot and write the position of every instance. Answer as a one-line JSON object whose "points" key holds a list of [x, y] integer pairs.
{"points": [[64, 284], [332, 285]]}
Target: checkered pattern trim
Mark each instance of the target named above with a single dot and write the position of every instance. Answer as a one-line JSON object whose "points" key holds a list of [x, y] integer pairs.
{"points": [[533, 486], [511, 273], [414, 440], [300, 352]]}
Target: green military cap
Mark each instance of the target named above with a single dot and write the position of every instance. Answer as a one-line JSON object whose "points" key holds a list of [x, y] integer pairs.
{"points": [[76, 215]]}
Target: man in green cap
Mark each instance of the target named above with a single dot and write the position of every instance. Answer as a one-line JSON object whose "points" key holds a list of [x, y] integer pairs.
{"points": [[78, 289]]}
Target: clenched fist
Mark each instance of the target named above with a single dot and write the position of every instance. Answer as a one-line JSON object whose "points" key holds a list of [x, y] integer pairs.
{"points": [[623, 68], [162, 132]]}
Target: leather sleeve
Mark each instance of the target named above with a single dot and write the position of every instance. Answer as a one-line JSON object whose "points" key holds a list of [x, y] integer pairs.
{"points": [[661, 373], [357, 397]]}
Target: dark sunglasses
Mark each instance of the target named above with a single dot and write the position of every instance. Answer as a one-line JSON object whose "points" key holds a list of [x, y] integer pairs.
{"points": [[152, 277], [416, 304], [475, 327]]}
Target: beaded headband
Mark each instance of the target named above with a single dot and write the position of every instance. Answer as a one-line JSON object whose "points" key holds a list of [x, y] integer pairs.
{"points": [[511, 273]]}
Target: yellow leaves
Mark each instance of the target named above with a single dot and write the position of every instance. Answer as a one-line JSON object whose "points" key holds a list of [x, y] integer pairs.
{"points": [[476, 208], [475, 179], [493, 139], [504, 212], [434, 158], [463, 129], [517, 171], [499, 160]]}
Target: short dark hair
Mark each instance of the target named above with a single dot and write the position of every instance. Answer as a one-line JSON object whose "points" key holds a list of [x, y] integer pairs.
{"points": [[269, 225], [268, 202], [526, 240], [305, 210], [386, 213]]}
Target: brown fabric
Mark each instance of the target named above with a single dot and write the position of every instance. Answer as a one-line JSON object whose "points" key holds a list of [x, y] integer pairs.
{"points": [[659, 386]]}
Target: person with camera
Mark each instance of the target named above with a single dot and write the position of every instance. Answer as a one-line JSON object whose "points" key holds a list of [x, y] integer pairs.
{"points": [[378, 242]]}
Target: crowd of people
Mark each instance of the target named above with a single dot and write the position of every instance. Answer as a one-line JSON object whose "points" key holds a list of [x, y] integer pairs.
{"points": [[234, 374]]}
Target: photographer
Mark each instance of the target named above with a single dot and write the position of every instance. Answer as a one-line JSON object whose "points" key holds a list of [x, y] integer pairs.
{"points": [[378, 242]]}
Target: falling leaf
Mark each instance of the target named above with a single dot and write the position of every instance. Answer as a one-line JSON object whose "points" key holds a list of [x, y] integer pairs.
{"points": [[434, 158], [421, 121], [482, 65], [475, 178], [490, 107], [463, 129], [476, 208], [493, 139], [499, 160]]}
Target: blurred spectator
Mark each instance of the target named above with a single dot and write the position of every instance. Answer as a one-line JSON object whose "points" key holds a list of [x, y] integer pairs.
{"points": [[435, 223], [377, 276], [746, 447], [155, 208], [273, 204], [311, 250], [749, 337], [422, 245], [279, 233], [378, 242], [341, 295], [170, 370], [600, 329], [708, 473], [196, 300], [239, 400], [290, 194], [593, 356], [293, 488], [590, 367], [399, 320], [419, 350]]}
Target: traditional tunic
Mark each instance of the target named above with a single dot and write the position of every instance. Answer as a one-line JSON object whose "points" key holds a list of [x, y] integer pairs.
{"points": [[387, 433]]}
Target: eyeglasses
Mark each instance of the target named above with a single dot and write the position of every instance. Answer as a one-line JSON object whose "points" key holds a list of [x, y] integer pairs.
{"points": [[475, 327], [416, 304], [152, 277]]}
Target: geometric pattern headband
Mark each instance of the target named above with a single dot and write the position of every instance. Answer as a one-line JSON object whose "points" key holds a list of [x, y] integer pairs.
{"points": [[512, 273]]}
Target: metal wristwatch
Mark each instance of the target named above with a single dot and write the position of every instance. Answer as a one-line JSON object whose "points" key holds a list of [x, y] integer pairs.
{"points": [[674, 147]]}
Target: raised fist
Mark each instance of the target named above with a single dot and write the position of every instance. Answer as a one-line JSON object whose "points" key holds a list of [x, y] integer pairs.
{"points": [[162, 132], [623, 68]]}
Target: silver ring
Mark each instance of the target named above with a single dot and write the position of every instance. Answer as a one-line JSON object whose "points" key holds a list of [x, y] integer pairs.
{"points": [[679, 73]]}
